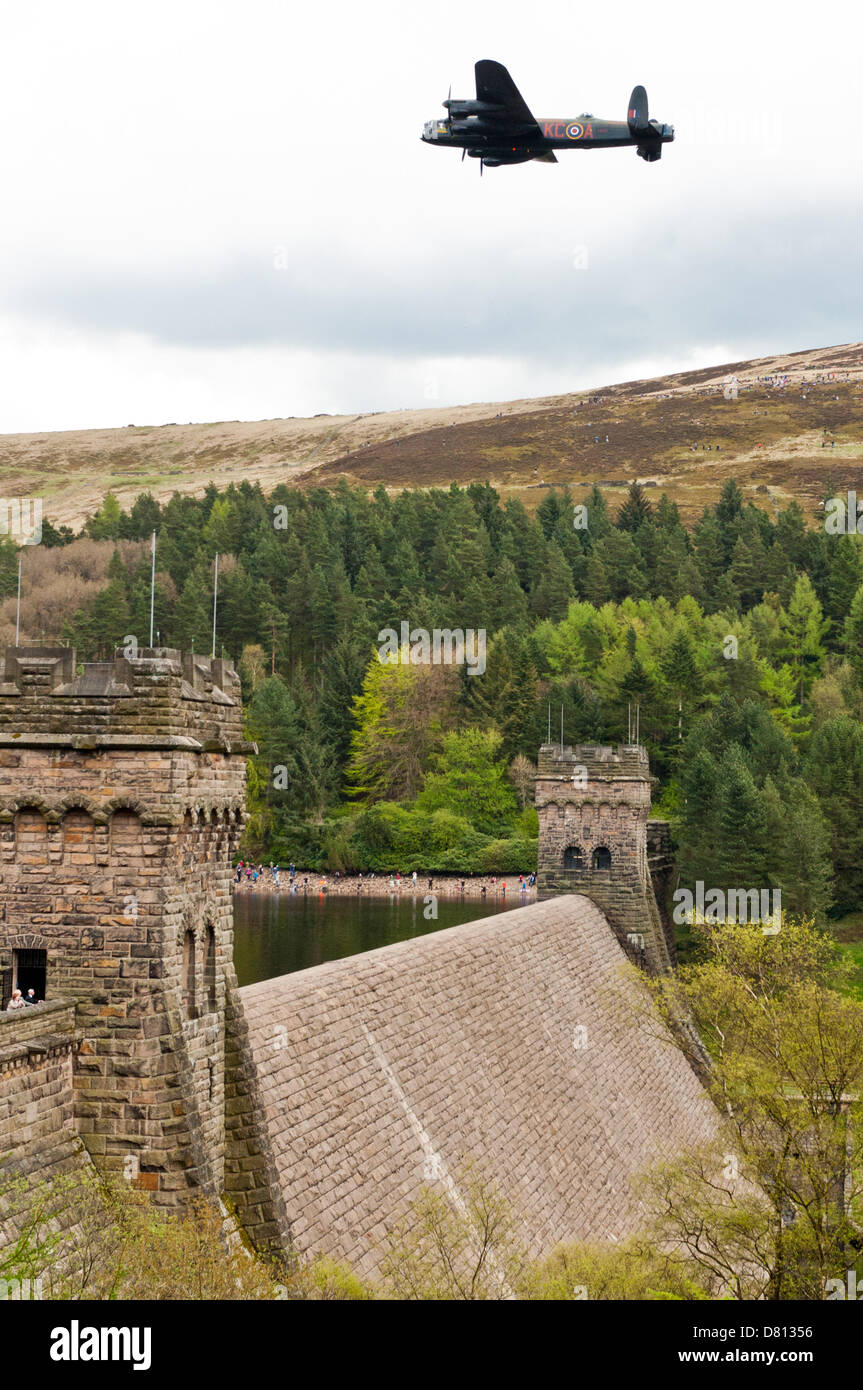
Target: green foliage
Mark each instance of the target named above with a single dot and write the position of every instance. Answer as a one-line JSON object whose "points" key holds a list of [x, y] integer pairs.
{"points": [[631, 611], [469, 780], [91, 1236], [770, 1210]]}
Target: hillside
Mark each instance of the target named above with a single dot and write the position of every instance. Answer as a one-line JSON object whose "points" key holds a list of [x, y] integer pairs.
{"points": [[679, 433]]}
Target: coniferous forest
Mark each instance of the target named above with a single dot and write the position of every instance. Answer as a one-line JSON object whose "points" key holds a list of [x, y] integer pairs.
{"points": [[740, 642]]}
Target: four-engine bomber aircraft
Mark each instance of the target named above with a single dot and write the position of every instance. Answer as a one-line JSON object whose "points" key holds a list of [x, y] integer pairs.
{"points": [[498, 127]]}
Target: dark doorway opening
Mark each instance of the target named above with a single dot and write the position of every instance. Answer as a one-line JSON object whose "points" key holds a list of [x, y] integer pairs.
{"points": [[30, 969], [602, 857], [573, 857]]}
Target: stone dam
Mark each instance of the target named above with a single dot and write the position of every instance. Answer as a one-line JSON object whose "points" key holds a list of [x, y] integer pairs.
{"points": [[319, 1103]]}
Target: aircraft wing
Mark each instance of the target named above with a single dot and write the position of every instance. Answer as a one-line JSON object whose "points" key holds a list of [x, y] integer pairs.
{"points": [[494, 85]]}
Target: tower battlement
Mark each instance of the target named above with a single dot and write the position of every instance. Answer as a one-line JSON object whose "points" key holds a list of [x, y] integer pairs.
{"points": [[600, 761], [156, 696]]}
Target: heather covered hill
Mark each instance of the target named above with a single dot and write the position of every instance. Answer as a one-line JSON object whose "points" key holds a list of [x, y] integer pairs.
{"points": [[794, 427]]}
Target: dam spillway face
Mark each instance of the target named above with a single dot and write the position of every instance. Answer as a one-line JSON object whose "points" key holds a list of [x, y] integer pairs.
{"points": [[520, 1043]]}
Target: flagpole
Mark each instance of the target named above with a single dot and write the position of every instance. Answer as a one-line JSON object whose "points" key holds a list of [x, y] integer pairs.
{"points": [[215, 601], [18, 609], [152, 587]]}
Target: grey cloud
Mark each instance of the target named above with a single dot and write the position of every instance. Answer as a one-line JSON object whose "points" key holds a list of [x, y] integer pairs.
{"points": [[791, 277]]}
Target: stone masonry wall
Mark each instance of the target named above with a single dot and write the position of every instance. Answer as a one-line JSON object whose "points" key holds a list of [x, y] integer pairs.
{"points": [[121, 804], [592, 798], [509, 1041]]}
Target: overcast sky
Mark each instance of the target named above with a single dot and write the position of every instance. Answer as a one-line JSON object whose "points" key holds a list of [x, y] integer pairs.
{"points": [[223, 211]]}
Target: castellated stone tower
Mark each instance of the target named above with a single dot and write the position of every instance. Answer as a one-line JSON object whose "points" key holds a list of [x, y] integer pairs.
{"points": [[595, 839], [121, 805]]}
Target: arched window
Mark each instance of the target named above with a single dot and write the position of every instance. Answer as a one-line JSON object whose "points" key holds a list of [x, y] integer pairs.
{"points": [[602, 857], [189, 1001], [126, 836], [210, 969], [79, 838], [31, 836], [573, 857]]}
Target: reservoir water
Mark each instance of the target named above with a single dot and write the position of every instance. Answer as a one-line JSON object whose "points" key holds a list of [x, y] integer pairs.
{"points": [[277, 933]]}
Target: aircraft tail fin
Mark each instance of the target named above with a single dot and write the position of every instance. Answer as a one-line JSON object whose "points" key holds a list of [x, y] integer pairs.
{"points": [[647, 132], [637, 115]]}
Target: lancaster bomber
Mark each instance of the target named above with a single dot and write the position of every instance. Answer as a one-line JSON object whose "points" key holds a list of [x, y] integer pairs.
{"points": [[498, 128]]}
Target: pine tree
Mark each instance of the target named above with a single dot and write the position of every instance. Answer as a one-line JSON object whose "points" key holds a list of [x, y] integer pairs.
{"points": [[742, 825], [834, 771], [748, 568], [853, 635], [511, 608], [709, 559], [699, 823], [729, 515], [845, 578], [622, 561], [679, 670], [803, 626], [635, 510], [799, 849], [597, 589], [551, 595], [599, 522], [192, 623], [107, 523]]}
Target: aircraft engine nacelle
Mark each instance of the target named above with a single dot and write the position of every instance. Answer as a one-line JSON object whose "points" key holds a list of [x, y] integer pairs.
{"points": [[475, 126], [471, 108]]}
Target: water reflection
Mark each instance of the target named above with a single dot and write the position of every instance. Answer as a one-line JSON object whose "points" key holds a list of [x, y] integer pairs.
{"points": [[276, 933]]}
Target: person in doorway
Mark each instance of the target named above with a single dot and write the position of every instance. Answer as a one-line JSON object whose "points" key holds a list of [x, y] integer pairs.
{"points": [[30, 997], [16, 1002]]}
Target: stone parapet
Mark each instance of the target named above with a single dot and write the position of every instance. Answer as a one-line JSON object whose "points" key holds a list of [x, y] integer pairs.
{"points": [[156, 696], [601, 762]]}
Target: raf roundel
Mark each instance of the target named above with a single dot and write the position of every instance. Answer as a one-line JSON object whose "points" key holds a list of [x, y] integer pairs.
{"points": [[574, 131]]}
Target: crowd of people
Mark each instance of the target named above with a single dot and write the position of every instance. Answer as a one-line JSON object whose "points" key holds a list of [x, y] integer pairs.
{"points": [[269, 878]]}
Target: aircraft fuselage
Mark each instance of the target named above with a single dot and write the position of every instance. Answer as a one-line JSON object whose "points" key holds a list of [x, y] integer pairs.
{"points": [[557, 134]]}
